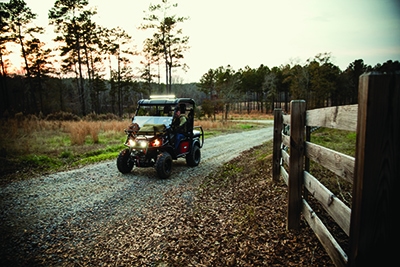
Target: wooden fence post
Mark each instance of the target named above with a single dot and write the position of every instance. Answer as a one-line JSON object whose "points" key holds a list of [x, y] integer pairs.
{"points": [[276, 168], [295, 184], [374, 228]]}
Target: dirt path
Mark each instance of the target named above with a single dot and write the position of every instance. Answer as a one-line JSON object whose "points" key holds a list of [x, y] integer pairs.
{"points": [[33, 211]]}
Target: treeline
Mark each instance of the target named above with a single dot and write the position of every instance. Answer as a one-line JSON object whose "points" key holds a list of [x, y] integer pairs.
{"points": [[318, 81], [63, 95], [90, 70], [223, 89], [99, 59]]}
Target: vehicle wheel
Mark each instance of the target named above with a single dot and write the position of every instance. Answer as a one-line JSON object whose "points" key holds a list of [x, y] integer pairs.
{"points": [[124, 162], [164, 165], [193, 158]]}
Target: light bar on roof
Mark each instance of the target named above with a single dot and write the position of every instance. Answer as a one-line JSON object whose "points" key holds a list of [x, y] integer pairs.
{"points": [[162, 96]]}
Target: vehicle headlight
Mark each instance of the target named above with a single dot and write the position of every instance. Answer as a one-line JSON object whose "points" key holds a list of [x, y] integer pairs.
{"points": [[131, 142], [143, 144], [137, 143]]}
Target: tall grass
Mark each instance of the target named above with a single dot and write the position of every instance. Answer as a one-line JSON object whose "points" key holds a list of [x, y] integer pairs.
{"points": [[79, 131], [27, 135], [31, 145]]}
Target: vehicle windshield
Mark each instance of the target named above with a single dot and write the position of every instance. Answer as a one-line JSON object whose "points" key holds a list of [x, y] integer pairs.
{"points": [[142, 120], [154, 114]]}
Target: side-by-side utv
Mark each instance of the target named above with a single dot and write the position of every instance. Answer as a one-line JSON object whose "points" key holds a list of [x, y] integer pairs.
{"points": [[162, 130]]}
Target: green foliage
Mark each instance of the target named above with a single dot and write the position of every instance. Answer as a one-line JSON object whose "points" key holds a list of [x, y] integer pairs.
{"points": [[40, 161], [66, 154], [75, 28], [245, 126], [101, 156], [167, 42], [207, 108], [108, 150], [352, 137]]}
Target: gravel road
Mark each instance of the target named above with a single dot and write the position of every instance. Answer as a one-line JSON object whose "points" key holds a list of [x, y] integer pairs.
{"points": [[31, 210]]}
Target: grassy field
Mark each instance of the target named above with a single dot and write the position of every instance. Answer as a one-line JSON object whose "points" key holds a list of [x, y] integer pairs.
{"points": [[30, 146]]}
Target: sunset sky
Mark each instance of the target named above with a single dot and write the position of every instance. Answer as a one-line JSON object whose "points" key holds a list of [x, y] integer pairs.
{"points": [[268, 32]]}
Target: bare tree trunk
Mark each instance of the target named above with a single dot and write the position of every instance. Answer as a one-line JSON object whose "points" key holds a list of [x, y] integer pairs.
{"points": [[90, 79], [119, 89], [3, 85], [81, 88], [61, 93], [166, 63], [170, 78], [28, 74], [226, 111], [40, 89]]}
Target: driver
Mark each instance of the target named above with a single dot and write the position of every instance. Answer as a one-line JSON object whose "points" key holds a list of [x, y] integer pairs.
{"points": [[179, 123]]}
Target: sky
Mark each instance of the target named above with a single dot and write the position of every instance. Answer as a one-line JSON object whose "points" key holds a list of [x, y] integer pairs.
{"points": [[269, 32]]}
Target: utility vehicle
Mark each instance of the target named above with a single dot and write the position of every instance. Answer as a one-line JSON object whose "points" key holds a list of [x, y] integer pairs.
{"points": [[162, 130]]}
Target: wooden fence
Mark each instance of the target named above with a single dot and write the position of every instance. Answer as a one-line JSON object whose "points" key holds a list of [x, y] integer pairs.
{"points": [[374, 172]]}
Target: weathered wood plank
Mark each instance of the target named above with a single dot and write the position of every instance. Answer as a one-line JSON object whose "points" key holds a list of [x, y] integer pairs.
{"points": [[297, 108], [286, 119], [339, 163], [285, 157], [285, 175], [338, 117], [374, 229], [277, 144], [331, 246], [286, 140], [334, 206], [307, 159]]}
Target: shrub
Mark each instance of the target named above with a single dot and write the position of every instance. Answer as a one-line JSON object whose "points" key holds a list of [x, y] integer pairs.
{"points": [[62, 116], [39, 161], [19, 116], [108, 117], [101, 117], [66, 154], [91, 117]]}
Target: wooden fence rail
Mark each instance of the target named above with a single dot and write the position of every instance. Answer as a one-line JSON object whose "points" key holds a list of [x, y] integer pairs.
{"points": [[374, 172]]}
